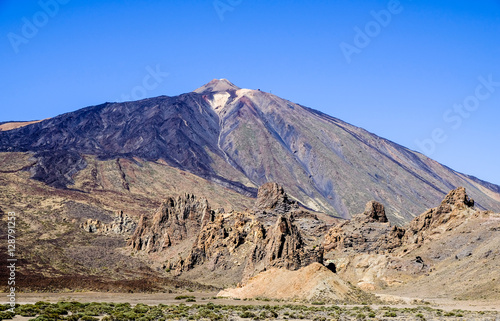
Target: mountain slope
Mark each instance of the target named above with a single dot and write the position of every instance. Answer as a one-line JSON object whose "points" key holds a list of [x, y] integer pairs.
{"points": [[240, 139]]}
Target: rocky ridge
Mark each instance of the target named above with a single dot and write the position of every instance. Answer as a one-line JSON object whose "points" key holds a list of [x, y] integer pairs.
{"points": [[176, 220], [375, 255], [189, 240], [235, 245]]}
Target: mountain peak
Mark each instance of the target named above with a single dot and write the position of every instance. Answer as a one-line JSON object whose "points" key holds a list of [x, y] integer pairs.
{"points": [[217, 85]]}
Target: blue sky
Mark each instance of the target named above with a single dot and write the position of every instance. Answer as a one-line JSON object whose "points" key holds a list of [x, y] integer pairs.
{"points": [[425, 74]]}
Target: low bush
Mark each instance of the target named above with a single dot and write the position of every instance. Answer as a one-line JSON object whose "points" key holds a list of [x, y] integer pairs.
{"points": [[6, 315], [182, 297], [247, 315]]}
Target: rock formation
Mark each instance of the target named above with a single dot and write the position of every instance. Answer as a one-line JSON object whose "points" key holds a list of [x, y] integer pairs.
{"points": [[372, 254], [245, 243], [283, 247], [371, 232], [272, 197], [450, 213], [375, 212], [365, 233], [176, 220], [121, 224]]}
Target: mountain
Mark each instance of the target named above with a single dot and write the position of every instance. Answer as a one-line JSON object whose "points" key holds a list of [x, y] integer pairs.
{"points": [[236, 139]]}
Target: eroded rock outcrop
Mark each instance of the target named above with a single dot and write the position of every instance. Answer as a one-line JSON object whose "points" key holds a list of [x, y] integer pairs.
{"points": [[243, 244], [283, 247], [365, 233], [271, 197], [452, 211], [372, 254], [375, 212], [121, 224], [371, 232], [176, 220]]}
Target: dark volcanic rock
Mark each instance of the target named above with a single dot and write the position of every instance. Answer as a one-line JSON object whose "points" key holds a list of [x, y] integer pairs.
{"points": [[56, 168], [168, 128]]}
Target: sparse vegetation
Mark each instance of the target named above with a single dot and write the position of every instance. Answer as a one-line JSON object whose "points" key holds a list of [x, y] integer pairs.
{"points": [[75, 311], [183, 297]]}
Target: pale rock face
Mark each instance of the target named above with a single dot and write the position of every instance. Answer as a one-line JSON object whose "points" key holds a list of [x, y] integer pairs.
{"points": [[121, 224], [312, 282], [219, 101]]}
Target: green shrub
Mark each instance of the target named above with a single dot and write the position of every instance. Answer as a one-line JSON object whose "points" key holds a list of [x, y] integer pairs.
{"points": [[247, 315], [123, 307], [6, 315], [54, 310], [42, 304], [390, 314], [141, 308], [27, 310], [130, 315], [75, 316], [182, 297], [4, 307]]}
